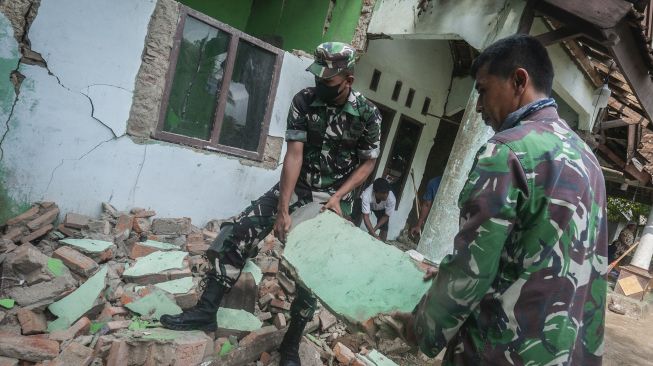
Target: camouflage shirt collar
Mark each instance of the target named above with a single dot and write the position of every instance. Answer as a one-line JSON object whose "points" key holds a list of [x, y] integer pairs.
{"points": [[518, 115], [350, 105]]}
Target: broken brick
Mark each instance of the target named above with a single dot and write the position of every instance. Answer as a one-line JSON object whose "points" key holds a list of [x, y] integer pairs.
{"points": [[209, 234], [36, 234], [75, 221], [140, 250], [142, 213], [31, 322], [27, 215], [175, 274], [123, 227], [171, 226], [286, 283], [265, 300], [197, 248], [76, 261], [116, 325], [30, 348], [13, 234], [265, 358], [279, 321], [141, 225], [74, 354], [268, 265], [99, 226], [66, 231], [343, 354], [80, 327], [47, 217], [327, 320], [265, 316], [253, 336], [109, 311], [279, 305]]}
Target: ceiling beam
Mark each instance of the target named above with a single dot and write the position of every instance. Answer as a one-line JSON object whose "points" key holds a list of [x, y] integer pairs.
{"points": [[633, 67], [601, 13], [527, 16], [642, 176], [557, 36], [629, 114], [605, 125]]}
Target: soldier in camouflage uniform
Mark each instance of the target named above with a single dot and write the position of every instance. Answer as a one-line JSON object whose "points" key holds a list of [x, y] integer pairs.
{"points": [[332, 144], [526, 282]]}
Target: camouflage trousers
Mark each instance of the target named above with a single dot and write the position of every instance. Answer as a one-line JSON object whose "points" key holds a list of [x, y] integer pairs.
{"points": [[242, 238]]}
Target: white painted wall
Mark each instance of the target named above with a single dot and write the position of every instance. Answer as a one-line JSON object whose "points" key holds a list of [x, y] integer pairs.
{"points": [[424, 65], [55, 150]]}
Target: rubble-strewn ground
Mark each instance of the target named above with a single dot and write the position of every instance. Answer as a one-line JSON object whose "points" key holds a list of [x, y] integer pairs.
{"points": [[628, 341]]}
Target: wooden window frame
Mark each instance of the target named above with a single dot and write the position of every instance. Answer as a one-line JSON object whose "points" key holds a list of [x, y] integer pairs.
{"points": [[213, 143]]}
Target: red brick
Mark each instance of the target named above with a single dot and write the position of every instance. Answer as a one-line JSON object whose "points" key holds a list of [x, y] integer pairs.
{"points": [[175, 274], [144, 214], [148, 279], [343, 354], [66, 231], [265, 358], [279, 305], [31, 322], [265, 316], [119, 354], [75, 221], [209, 234], [37, 234], [76, 261], [139, 250], [47, 217], [123, 227], [279, 321], [197, 248], [268, 265], [13, 234], [327, 320], [253, 336], [30, 348], [269, 287], [27, 215], [141, 225], [79, 328], [118, 324], [109, 311], [74, 354]]}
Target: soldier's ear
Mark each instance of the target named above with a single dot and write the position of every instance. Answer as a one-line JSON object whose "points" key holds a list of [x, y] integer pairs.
{"points": [[350, 80]]}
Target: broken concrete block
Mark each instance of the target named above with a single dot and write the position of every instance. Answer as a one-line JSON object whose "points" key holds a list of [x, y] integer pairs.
{"points": [[78, 303], [73, 354], [99, 250], [40, 295], [6, 361], [252, 268], [333, 258], [75, 221], [142, 213], [36, 234], [141, 225], [141, 249], [268, 265], [265, 316], [327, 320], [154, 305], [242, 295], [30, 348], [98, 226], [343, 354], [286, 283], [31, 264], [76, 261], [238, 320], [31, 322], [255, 336], [178, 286], [309, 354], [155, 263], [110, 210], [13, 234], [123, 227], [46, 218], [171, 226], [27, 215], [277, 305], [279, 321]]}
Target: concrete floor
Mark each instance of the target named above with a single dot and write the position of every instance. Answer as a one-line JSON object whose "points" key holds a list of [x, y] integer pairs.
{"points": [[628, 341]]}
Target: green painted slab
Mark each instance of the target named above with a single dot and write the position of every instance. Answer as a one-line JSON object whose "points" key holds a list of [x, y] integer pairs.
{"points": [[178, 286], [88, 245], [238, 320], [156, 262], [378, 359], [252, 268], [55, 266], [160, 245], [170, 335], [353, 274], [154, 305], [73, 306], [7, 303]]}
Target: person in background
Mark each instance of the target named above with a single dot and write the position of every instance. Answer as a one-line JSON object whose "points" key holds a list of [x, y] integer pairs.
{"points": [[426, 204], [624, 241], [378, 199]]}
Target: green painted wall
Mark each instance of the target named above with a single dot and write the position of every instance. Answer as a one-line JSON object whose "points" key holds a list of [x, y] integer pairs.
{"points": [[300, 23], [233, 12]]}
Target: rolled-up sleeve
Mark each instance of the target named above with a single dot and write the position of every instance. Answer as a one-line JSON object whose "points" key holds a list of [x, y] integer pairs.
{"points": [[369, 144], [488, 210], [296, 125]]}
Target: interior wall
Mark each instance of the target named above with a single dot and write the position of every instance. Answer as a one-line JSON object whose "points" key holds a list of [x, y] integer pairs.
{"points": [[234, 13], [424, 65]]}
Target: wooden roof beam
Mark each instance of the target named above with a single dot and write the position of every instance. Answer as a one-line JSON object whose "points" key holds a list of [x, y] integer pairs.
{"points": [[557, 35], [601, 13], [643, 177]]}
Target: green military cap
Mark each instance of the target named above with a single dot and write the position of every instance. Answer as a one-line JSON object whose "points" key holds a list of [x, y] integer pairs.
{"points": [[331, 58]]}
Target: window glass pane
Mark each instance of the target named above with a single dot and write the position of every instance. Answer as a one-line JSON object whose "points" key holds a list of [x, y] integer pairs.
{"points": [[248, 97], [198, 76]]}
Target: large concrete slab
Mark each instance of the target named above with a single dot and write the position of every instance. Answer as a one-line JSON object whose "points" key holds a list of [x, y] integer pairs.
{"points": [[156, 262], [80, 301], [353, 274], [154, 305]]}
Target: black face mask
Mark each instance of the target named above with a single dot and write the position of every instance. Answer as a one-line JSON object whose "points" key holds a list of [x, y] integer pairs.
{"points": [[326, 93]]}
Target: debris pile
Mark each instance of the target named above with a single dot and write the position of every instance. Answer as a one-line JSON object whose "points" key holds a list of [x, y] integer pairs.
{"points": [[91, 291]]}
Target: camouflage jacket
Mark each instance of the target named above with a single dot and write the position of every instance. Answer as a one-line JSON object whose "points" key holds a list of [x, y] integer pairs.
{"points": [[335, 139], [526, 282]]}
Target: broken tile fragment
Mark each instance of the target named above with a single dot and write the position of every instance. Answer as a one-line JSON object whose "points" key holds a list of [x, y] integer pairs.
{"points": [[78, 303], [99, 250], [237, 320], [154, 305], [155, 263]]}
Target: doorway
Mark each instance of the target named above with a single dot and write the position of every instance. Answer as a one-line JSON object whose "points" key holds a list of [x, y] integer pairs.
{"points": [[402, 152]]}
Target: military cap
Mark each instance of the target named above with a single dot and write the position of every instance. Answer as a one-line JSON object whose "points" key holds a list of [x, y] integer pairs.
{"points": [[331, 58]]}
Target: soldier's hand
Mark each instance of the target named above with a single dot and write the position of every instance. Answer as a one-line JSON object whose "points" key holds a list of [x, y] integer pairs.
{"points": [[415, 231], [332, 204], [282, 226], [431, 272]]}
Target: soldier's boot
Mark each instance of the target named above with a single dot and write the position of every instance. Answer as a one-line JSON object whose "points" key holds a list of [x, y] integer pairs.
{"points": [[289, 349], [202, 316]]}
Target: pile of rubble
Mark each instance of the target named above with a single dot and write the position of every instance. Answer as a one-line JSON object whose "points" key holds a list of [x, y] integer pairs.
{"points": [[91, 291]]}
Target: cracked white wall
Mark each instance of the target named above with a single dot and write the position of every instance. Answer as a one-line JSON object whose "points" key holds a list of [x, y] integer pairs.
{"points": [[66, 142]]}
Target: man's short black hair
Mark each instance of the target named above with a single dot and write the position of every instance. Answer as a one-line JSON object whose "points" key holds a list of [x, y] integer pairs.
{"points": [[381, 185], [518, 51]]}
